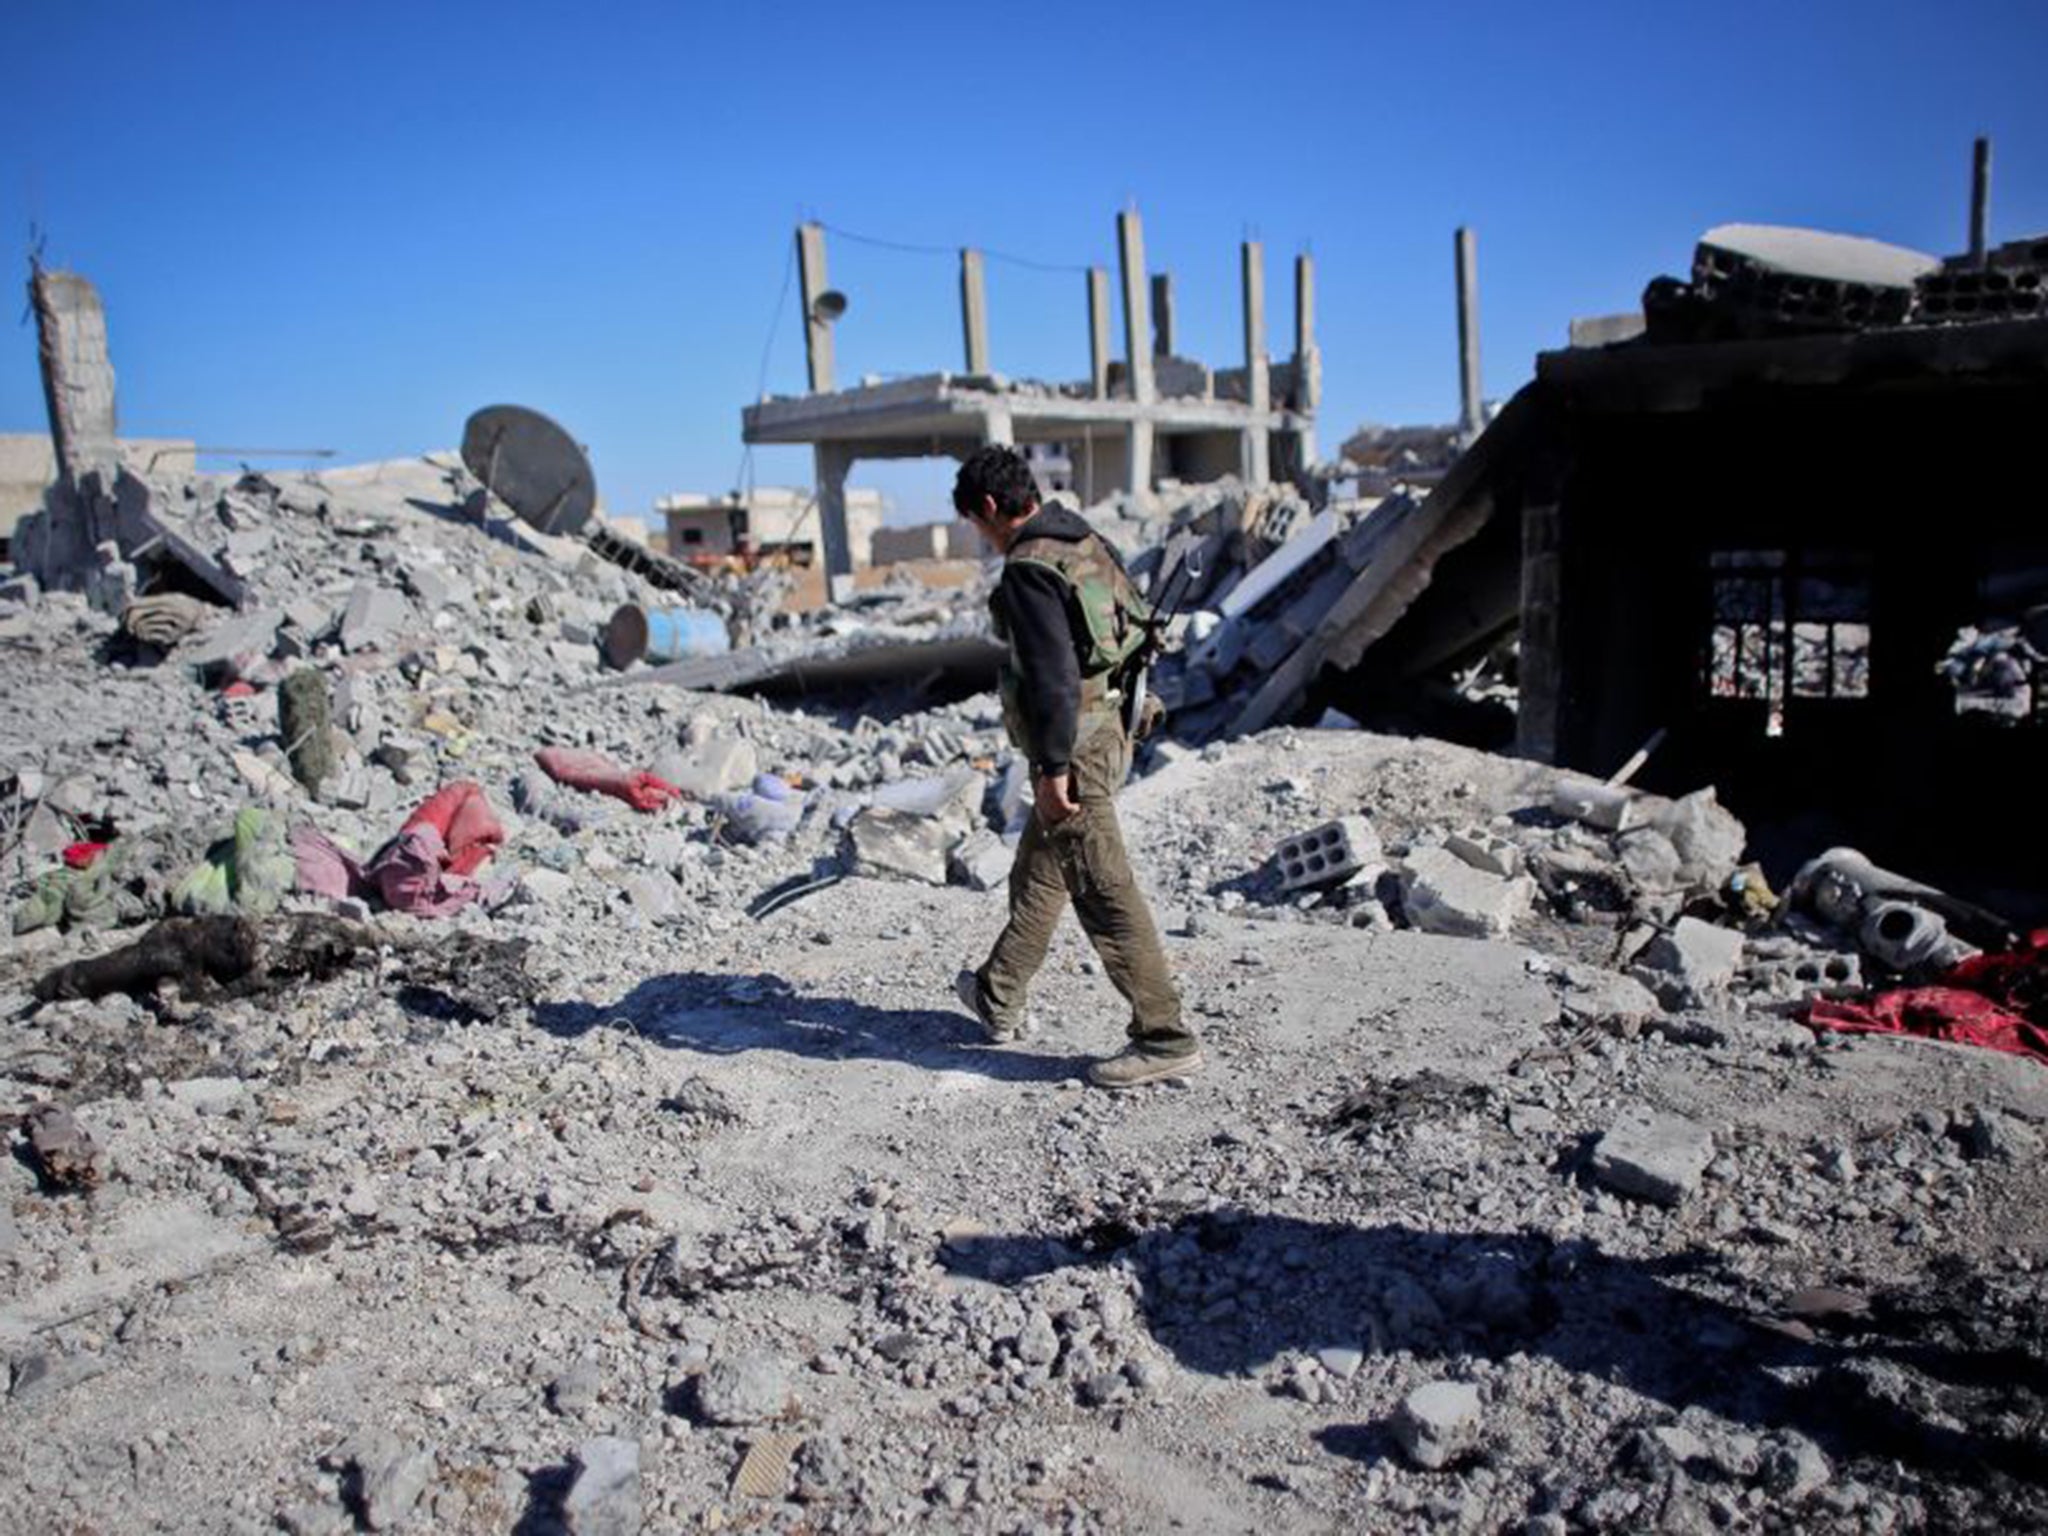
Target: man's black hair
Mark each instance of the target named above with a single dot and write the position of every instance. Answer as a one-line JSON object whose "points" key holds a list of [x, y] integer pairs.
{"points": [[997, 472]]}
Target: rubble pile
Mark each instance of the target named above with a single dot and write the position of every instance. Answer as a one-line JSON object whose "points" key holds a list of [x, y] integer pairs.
{"points": [[605, 1151]]}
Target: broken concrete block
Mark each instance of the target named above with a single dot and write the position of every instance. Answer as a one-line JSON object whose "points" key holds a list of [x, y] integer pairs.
{"points": [[1598, 805], [1605, 999], [1444, 894], [1326, 854], [742, 1389], [1650, 858], [390, 1477], [953, 798], [545, 886], [373, 615], [1709, 839], [1652, 1155], [654, 896], [1437, 1422], [982, 862], [718, 766], [1692, 960], [234, 647], [897, 844], [429, 588], [1484, 851], [407, 758], [604, 1500]]}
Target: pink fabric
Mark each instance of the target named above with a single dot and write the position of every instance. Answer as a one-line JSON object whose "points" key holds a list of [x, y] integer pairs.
{"points": [[461, 816], [594, 771], [425, 870]]}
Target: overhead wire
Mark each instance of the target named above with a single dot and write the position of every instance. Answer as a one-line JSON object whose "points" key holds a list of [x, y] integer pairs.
{"points": [[917, 249]]}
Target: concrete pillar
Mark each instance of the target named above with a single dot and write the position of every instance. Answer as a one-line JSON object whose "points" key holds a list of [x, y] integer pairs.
{"points": [[1258, 383], [1308, 357], [78, 378], [998, 429], [974, 311], [1162, 314], [1098, 332], [810, 263], [1138, 468], [1469, 409], [1130, 246], [1980, 200], [831, 462]]}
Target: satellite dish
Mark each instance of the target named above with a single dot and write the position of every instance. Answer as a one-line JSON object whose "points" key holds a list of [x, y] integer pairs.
{"points": [[828, 306], [532, 465]]}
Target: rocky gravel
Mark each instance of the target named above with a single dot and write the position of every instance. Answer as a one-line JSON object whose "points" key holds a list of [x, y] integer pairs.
{"points": [[733, 1223]]}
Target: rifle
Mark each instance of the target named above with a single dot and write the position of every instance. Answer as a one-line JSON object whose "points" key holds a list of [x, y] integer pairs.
{"points": [[1187, 573]]}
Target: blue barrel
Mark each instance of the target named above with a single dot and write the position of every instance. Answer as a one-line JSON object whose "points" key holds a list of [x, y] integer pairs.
{"points": [[663, 634]]}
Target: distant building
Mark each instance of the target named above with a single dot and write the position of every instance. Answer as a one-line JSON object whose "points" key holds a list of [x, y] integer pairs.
{"points": [[956, 540], [28, 464], [769, 519]]}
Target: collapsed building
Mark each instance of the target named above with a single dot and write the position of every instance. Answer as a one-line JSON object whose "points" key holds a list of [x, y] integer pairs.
{"points": [[1130, 424]]}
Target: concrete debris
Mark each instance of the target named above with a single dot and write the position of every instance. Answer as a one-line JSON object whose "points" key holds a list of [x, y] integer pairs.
{"points": [[1690, 963], [741, 1389], [981, 861], [1327, 854], [1437, 1422], [594, 1200], [900, 845], [64, 1151], [1443, 894], [1652, 1155], [604, 1499]]}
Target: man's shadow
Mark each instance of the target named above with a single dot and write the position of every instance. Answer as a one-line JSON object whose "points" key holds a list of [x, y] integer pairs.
{"points": [[1227, 1292], [724, 1015]]}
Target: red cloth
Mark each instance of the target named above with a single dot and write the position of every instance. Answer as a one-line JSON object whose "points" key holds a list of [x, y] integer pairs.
{"points": [[239, 689], [470, 830], [594, 771], [83, 855], [1997, 1001]]}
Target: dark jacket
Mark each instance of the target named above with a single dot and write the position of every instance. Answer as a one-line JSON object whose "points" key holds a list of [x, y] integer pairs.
{"points": [[1045, 645]]}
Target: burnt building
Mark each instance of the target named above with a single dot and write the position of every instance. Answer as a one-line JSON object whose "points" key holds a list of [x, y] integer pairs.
{"points": [[1795, 531]]}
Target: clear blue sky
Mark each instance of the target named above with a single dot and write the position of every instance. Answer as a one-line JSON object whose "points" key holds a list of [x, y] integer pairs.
{"points": [[349, 225]]}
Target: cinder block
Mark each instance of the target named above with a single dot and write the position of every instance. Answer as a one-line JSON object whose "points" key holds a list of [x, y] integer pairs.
{"points": [[1327, 854]]}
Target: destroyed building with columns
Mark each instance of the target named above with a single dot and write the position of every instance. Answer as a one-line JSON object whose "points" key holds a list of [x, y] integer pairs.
{"points": [[1132, 423]]}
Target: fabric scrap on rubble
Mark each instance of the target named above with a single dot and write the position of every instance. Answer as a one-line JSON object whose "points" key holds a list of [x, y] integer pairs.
{"points": [[94, 894], [249, 871], [427, 870], [83, 855], [165, 619], [751, 818], [594, 771], [1997, 1001]]}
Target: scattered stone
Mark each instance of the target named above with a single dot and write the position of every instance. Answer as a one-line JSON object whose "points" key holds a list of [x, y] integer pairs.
{"points": [[372, 616], [1693, 961], [742, 1389], [389, 1477], [1444, 894], [604, 1500], [899, 844], [1437, 1422], [1793, 1467], [1653, 1156], [982, 862]]}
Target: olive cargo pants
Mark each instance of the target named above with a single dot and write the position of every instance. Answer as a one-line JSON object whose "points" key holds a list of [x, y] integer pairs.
{"points": [[1083, 860]]}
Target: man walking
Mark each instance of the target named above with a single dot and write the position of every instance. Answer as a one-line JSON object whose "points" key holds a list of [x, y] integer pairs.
{"points": [[1074, 625]]}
